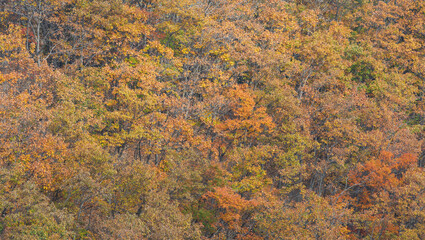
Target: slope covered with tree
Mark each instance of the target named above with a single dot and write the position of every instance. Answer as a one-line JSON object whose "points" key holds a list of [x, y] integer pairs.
{"points": [[212, 119]]}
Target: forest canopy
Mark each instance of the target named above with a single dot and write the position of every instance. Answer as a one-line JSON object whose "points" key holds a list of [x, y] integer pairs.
{"points": [[212, 119]]}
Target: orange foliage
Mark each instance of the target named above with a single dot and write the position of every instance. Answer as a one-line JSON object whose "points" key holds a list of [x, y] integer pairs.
{"points": [[233, 211]]}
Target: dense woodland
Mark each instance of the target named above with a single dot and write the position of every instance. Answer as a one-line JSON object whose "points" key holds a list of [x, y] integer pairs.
{"points": [[212, 119]]}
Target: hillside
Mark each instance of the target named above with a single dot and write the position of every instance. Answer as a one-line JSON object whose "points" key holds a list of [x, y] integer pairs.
{"points": [[212, 119]]}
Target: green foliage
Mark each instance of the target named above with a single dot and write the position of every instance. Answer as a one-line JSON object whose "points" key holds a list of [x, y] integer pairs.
{"points": [[30, 215], [362, 72]]}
